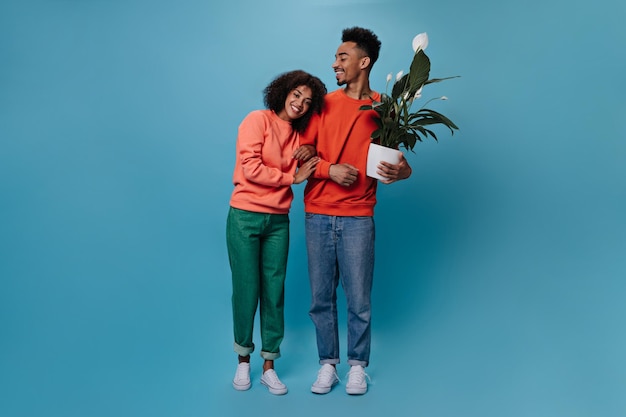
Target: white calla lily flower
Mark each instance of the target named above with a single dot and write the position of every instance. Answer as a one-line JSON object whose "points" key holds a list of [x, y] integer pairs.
{"points": [[399, 75], [389, 77], [420, 42]]}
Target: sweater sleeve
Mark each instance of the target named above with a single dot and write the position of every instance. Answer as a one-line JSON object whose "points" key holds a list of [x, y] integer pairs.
{"points": [[322, 171], [249, 151], [309, 137]]}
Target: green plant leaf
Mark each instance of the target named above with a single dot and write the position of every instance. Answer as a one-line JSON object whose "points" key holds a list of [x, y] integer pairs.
{"points": [[439, 116], [400, 87], [418, 74], [426, 132], [438, 80]]}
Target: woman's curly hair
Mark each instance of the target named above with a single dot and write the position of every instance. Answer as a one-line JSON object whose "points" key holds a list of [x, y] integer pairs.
{"points": [[365, 40], [275, 95]]}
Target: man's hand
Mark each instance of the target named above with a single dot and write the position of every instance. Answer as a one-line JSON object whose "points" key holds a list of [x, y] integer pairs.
{"points": [[402, 170], [304, 152], [343, 174]]}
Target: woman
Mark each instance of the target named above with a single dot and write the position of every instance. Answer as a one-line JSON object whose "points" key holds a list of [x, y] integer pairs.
{"points": [[257, 229]]}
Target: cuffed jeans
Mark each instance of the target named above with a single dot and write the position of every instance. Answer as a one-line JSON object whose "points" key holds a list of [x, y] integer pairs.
{"points": [[258, 244], [341, 249]]}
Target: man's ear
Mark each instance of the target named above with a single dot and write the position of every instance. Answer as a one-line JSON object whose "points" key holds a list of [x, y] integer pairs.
{"points": [[365, 62]]}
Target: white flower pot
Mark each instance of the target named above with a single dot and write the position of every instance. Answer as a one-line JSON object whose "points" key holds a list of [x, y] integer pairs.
{"points": [[377, 153]]}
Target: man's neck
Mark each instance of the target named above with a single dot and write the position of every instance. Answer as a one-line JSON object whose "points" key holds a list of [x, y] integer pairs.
{"points": [[359, 90]]}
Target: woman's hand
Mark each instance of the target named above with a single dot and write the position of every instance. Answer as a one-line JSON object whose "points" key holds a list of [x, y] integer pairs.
{"points": [[306, 170], [304, 152]]}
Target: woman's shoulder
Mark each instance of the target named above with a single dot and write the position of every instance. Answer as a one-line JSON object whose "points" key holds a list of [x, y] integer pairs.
{"points": [[260, 116]]}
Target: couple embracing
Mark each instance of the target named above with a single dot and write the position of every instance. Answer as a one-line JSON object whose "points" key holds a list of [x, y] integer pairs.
{"points": [[308, 134]]}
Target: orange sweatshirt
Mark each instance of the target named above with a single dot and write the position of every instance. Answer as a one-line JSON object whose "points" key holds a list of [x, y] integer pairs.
{"points": [[265, 168], [341, 134]]}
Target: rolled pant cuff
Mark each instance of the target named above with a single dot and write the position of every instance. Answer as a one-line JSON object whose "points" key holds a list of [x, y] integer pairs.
{"points": [[270, 356], [243, 351], [354, 362], [329, 361]]}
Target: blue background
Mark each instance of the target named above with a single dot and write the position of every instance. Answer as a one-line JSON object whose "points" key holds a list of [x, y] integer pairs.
{"points": [[500, 265]]}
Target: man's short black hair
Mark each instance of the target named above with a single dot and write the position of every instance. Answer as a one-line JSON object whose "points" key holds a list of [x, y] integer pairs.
{"points": [[365, 40]]}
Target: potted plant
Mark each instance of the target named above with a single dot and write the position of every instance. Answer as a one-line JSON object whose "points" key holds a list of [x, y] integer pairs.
{"points": [[397, 125]]}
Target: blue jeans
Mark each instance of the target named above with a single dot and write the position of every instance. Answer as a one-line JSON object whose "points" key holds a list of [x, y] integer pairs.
{"points": [[341, 249]]}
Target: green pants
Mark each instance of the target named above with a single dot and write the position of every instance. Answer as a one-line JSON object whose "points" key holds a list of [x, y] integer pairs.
{"points": [[258, 244]]}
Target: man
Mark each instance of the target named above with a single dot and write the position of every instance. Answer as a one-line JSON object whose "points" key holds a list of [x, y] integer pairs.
{"points": [[339, 203]]}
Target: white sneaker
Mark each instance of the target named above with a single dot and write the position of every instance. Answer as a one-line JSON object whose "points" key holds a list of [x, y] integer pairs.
{"points": [[241, 382], [326, 379], [271, 381], [357, 383]]}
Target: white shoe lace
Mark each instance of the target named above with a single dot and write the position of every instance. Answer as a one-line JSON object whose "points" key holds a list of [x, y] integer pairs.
{"points": [[242, 372], [326, 375], [357, 376], [272, 378]]}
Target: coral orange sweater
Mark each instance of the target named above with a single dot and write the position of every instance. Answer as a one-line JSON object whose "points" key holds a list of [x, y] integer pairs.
{"points": [[341, 134], [265, 168]]}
